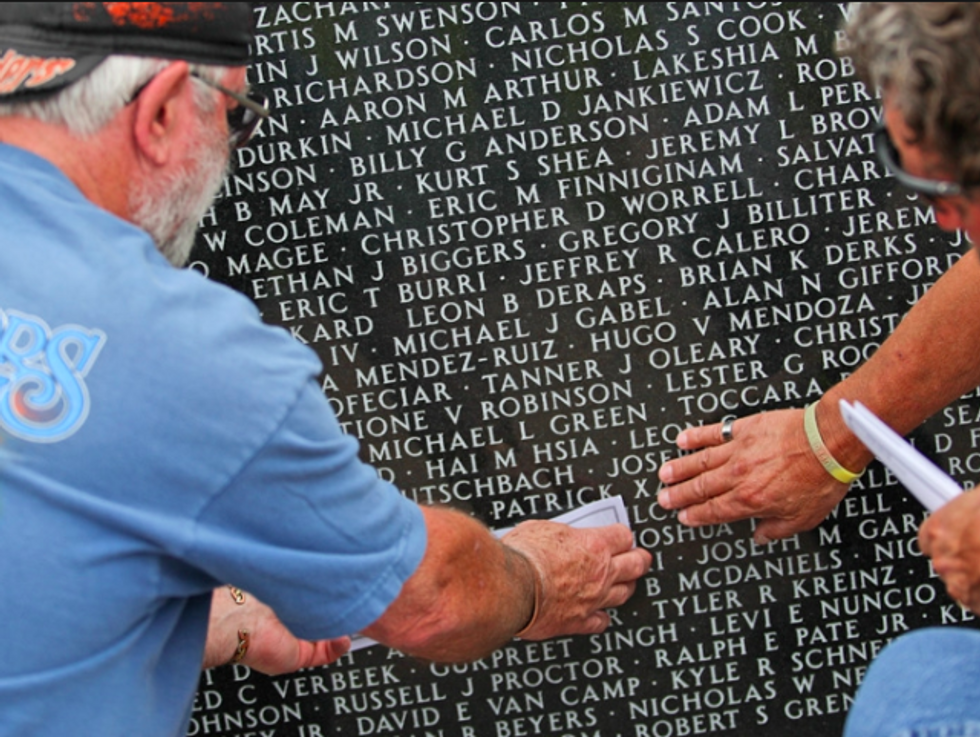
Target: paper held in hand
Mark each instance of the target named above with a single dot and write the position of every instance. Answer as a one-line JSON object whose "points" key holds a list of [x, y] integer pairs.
{"points": [[918, 474], [600, 513]]}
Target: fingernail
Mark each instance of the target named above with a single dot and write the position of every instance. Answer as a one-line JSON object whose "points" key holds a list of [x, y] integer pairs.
{"points": [[761, 540], [682, 516], [666, 474], [682, 439], [663, 499]]}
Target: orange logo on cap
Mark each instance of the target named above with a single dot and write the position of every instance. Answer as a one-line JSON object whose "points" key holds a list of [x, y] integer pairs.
{"points": [[31, 71]]}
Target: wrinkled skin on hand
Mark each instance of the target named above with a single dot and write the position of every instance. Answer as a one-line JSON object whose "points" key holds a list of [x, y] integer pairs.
{"points": [[272, 648], [767, 472], [951, 537], [581, 573]]}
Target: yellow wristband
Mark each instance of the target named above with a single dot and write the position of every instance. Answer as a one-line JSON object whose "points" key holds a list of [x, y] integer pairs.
{"points": [[820, 450]]}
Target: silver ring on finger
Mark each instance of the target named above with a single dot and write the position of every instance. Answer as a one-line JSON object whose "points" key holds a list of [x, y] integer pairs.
{"points": [[726, 430]]}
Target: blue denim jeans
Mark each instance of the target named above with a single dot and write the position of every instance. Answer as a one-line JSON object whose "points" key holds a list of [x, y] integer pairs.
{"points": [[923, 684]]}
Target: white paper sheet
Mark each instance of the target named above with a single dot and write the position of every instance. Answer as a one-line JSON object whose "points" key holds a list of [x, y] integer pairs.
{"points": [[918, 474], [595, 514]]}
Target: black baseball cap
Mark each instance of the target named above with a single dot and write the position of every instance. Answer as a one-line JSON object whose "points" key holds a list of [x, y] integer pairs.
{"points": [[44, 47]]}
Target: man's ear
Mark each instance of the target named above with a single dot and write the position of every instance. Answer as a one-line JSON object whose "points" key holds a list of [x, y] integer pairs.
{"points": [[162, 112]]}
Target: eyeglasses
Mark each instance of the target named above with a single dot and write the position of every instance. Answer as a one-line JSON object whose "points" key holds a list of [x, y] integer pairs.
{"points": [[245, 119], [888, 155]]}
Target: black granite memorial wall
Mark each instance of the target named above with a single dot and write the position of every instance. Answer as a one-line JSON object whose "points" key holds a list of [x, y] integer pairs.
{"points": [[531, 242]]}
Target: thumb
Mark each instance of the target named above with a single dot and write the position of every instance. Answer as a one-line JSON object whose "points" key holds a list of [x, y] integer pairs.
{"points": [[773, 529]]}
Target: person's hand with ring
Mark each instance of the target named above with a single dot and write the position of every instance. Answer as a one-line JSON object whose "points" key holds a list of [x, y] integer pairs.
{"points": [[761, 467]]}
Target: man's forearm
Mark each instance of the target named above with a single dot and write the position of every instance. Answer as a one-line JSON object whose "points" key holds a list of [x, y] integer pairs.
{"points": [[470, 595], [929, 361]]}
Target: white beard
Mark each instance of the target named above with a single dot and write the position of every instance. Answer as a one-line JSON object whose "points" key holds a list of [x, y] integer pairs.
{"points": [[170, 207]]}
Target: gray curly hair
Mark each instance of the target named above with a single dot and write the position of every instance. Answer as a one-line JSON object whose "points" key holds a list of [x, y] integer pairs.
{"points": [[925, 57]]}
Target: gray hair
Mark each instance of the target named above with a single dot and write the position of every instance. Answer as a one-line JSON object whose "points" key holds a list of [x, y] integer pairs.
{"points": [[925, 57], [87, 106]]}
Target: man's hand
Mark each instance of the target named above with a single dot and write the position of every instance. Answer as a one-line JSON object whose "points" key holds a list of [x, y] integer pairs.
{"points": [[767, 471], [581, 572], [472, 593], [272, 649], [951, 537]]}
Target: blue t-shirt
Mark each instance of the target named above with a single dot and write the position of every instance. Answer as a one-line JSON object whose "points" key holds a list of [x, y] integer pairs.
{"points": [[157, 440]]}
